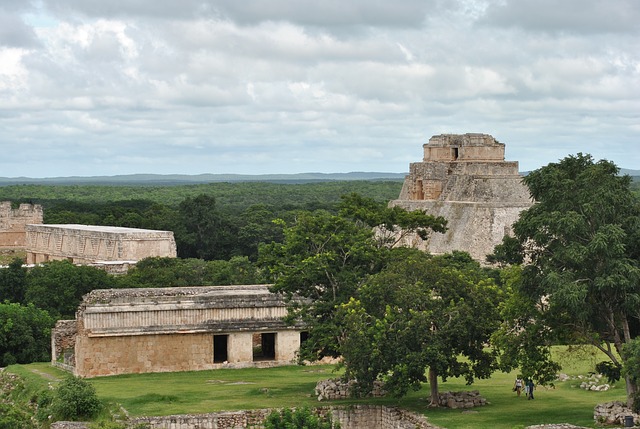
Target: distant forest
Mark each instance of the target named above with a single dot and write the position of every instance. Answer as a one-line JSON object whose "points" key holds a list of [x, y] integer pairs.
{"points": [[210, 221]]}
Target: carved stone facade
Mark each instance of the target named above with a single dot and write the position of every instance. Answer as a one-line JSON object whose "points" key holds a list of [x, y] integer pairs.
{"points": [[465, 179], [121, 331], [89, 244], [13, 223]]}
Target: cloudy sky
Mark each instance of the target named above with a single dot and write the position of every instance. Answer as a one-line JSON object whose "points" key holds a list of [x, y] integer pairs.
{"points": [[96, 87]]}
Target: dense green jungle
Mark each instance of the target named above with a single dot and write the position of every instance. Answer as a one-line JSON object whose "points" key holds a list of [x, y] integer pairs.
{"points": [[254, 232]]}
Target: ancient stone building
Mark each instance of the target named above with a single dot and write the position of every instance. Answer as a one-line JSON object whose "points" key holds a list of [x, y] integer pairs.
{"points": [[120, 331], [465, 179], [89, 244], [13, 223]]}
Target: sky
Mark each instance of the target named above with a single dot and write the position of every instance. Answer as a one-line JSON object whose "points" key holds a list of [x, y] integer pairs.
{"points": [[95, 87]]}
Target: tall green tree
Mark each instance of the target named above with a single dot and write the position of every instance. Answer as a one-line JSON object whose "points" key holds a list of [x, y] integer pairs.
{"points": [[25, 334], [580, 248], [13, 281], [421, 313], [203, 231], [58, 286], [325, 258]]}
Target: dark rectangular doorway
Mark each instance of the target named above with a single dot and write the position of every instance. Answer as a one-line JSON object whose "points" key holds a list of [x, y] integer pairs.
{"points": [[264, 346], [220, 344]]}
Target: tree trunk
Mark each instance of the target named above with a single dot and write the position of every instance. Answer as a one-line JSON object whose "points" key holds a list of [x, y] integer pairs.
{"points": [[433, 384], [632, 388]]}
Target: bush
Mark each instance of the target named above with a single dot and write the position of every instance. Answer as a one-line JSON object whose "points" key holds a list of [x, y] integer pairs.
{"points": [[11, 418], [75, 399], [300, 418]]}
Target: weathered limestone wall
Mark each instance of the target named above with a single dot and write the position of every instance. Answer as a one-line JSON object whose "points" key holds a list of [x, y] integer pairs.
{"points": [[472, 227], [14, 221], [121, 331], [465, 179], [352, 417], [85, 244]]}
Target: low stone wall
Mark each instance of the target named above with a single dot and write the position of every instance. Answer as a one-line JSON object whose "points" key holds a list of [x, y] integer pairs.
{"points": [[352, 417], [335, 388], [456, 400], [614, 413]]}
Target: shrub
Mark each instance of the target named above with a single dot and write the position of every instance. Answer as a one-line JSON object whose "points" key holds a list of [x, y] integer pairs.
{"points": [[75, 399], [300, 418]]}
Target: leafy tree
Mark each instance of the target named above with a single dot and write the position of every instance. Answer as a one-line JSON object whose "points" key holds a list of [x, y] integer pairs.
{"points": [[58, 286], [421, 312], [13, 282], [203, 232], [300, 418], [255, 226], [392, 224], [176, 272], [74, 399], [25, 334], [580, 246], [325, 258]]}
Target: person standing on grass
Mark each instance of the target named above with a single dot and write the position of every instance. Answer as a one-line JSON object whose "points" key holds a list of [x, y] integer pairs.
{"points": [[518, 386], [530, 387]]}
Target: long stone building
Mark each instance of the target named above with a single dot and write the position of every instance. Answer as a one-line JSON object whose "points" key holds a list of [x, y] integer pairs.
{"points": [[465, 179], [89, 244], [121, 331], [13, 222]]}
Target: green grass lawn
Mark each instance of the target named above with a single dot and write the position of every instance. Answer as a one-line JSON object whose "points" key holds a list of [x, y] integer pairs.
{"points": [[292, 386]]}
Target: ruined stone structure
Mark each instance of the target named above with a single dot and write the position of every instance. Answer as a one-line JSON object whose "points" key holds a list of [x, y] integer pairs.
{"points": [[350, 417], [13, 223], [465, 179], [120, 331], [89, 244]]}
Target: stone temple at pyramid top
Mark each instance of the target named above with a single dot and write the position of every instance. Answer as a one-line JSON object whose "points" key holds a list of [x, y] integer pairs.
{"points": [[465, 179]]}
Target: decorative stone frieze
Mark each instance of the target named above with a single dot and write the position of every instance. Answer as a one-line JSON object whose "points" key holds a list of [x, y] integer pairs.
{"points": [[91, 244], [121, 331]]}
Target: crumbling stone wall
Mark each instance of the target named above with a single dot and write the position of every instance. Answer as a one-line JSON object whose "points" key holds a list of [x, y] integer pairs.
{"points": [[63, 342], [614, 413], [13, 223], [464, 399], [336, 388], [352, 417]]}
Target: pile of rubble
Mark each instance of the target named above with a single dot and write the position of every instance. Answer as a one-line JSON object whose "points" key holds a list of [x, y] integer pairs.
{"points": [[614, 413], [587, 382], [335, 388], [461, 399]]}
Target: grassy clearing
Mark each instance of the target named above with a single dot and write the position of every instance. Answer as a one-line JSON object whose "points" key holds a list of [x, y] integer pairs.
{"points": [[207, 391]]}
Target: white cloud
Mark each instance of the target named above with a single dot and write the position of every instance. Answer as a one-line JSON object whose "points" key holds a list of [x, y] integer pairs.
{"points": [[95, 87]]}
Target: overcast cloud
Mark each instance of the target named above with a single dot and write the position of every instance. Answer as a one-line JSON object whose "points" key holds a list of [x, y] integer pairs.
{"points": [[94, 87]]}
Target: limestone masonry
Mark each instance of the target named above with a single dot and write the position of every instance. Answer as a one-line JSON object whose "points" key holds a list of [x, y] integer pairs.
{"points": [[120, 331], [465, 179], [13, 223], [87, 244]]}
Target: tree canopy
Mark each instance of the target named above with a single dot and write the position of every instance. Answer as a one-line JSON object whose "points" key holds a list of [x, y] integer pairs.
{"points": [[421, 312], [25, 334], [325, 258], [579, 246]]}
